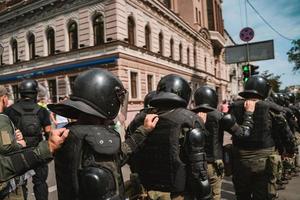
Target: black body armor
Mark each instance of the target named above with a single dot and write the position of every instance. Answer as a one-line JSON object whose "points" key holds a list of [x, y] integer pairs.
{"points": [[161, 163], [88, 165], [261, 133]]}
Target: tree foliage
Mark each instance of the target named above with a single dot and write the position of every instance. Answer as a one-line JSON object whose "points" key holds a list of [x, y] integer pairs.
{"points": [[294, 55], [273, 79]]}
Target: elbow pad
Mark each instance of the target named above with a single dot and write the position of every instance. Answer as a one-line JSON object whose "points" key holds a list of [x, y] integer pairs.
{"points": [[228, 123]]}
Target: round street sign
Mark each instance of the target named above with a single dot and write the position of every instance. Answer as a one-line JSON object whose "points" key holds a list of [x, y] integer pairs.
{"points": [[247, 34]]}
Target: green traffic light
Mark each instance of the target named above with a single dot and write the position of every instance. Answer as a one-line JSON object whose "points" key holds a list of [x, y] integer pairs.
{"points": [[245, 68]]}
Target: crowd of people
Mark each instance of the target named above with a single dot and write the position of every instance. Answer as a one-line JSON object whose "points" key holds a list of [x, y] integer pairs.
{"points": [[173, 152]]}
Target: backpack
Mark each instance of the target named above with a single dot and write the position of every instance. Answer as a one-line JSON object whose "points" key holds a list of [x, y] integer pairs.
{"points": [[29, 123]]}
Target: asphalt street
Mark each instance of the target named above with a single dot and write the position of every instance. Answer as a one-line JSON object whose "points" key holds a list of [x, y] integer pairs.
{"points": [[291, 192]]}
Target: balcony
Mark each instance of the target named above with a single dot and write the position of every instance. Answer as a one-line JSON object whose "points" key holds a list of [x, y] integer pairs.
{"points": [[218, 41]]}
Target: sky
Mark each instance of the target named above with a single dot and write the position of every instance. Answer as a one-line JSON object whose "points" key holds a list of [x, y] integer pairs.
{"points": [[283, 15]]}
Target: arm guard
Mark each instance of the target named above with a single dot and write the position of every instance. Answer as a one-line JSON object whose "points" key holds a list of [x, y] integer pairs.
{"points": [[228, 123], [197, 167]]}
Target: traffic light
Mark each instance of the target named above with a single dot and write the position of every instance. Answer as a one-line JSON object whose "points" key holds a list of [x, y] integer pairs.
{"points": [[253, 69], [246, 72]]}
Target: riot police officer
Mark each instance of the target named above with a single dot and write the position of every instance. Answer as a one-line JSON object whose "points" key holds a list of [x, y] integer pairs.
{"points": [[88, 166], [33, 120], [250, 175], [172, 161], [206, 99], [18, 162]]}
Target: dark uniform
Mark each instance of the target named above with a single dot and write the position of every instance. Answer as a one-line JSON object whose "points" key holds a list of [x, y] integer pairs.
{"points": [[88, 166], [172, 163], [206, 99], [251, 176], [32, 131]]}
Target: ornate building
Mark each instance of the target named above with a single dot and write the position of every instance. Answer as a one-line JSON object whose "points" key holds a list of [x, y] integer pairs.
{"points": [[140, 41]]}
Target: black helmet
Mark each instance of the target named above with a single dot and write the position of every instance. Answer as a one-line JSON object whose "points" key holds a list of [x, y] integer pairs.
{"points": [[172, 91], [291, 97], [28, 88], [256, 87], [96, 92], [148, 98], [206, 99]]}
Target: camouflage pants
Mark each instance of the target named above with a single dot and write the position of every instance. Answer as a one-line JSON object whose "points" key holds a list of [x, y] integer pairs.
{"points": [[275, 168], [215, 181], [158, 195], [250, 176]]}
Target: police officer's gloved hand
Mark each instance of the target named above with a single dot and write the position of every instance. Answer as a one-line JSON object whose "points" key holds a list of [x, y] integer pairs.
{"points": [[219, 165]]}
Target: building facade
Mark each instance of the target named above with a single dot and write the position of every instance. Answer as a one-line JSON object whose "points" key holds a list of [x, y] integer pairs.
{"points": [[140, 41]]}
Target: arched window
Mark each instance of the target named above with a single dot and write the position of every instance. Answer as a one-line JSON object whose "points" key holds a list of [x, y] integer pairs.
{"points": [[161, 43], [188, 56], [147, 37], [14, 47], [131, 31], [172, 48], [51, 41], [180, 52], [98, 28], [73, 36], [31, 46]]}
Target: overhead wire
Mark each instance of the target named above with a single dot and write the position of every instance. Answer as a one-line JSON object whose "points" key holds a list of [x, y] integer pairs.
{"points": [[266, 22]]}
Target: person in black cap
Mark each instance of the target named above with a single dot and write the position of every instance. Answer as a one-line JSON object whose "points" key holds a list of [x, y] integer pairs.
{"points": [[251, 170], [88, 166], [172, 162], [33, 121]]}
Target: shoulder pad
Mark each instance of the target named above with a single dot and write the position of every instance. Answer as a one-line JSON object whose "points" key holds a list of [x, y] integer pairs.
{"points": [[196, 137]]}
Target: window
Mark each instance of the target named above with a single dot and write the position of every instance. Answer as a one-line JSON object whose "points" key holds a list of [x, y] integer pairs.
{"points": [[147, 37], [51, 41], [199, 17], [31, 46], [167, 3], [195, 56], [52, 90], [73, 36], [1, 59], [15, 90], [180, 52], [150, 82], [172, 48], [98, 28], [131, 31], [14, 46], [196, 14], [161, 43], [71, 82], [133, 84], [188, 56]]}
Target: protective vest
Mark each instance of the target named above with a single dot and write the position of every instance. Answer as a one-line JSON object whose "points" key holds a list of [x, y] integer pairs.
{"points": [[214, 140], [161, 162], [261, 134], [29, 122], [88, 165]]}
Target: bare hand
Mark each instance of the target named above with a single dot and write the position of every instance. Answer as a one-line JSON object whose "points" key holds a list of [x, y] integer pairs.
{"points": [[150, 122], [249, 105], [57, 138], [19, 135], [22, 143], [203, 116]]}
